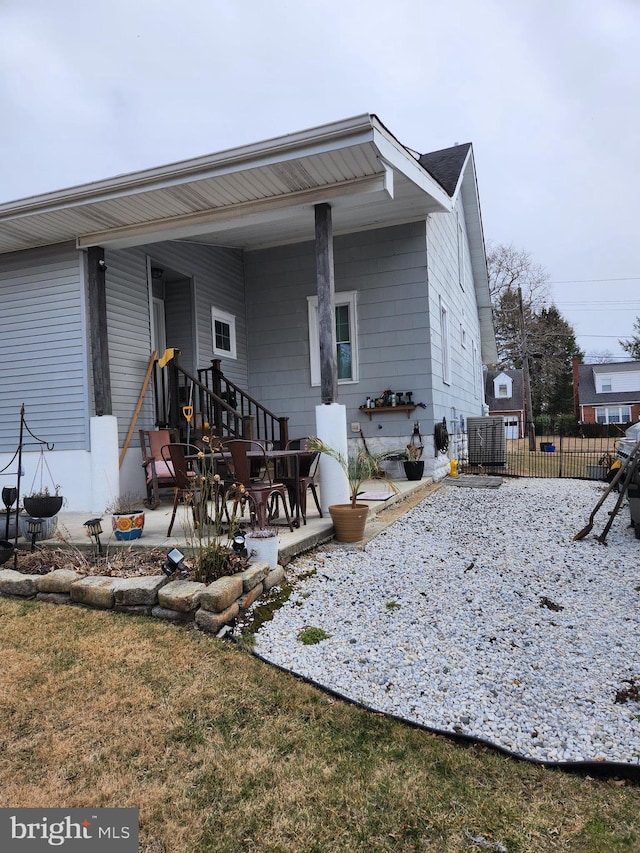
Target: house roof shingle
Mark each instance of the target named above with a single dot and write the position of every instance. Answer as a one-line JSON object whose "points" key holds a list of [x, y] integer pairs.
{"points": [[505, 404], [446, 165], [588, 396]]}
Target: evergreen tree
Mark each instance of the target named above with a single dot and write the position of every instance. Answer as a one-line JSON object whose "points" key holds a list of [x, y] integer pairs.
{"points": [[632, 346], [551, 342]]}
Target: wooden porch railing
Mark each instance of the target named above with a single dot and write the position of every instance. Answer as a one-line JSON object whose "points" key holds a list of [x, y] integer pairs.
{"points": [[228, 410]]}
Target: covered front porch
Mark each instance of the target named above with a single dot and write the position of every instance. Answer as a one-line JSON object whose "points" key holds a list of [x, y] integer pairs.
{"points": [[316, 531]]}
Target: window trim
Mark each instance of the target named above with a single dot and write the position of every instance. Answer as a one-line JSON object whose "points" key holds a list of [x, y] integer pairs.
{"points": [[461, 254], [445, 342], [344, 297], [230, 320]]}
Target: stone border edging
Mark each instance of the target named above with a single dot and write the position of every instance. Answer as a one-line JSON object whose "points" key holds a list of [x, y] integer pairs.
{"points": [[210, 606]]}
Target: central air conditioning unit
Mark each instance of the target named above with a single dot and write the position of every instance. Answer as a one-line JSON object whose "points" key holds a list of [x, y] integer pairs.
{"points": [[487, 442]]}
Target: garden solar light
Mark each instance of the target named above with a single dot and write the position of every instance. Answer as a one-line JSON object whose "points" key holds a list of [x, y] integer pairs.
{"points": [[174, 562], [238, 545], [9, 495], [94, 528], [35, 529]]}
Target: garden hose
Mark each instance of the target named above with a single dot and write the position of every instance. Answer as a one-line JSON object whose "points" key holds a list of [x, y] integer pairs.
{"points": [[441, 437]]}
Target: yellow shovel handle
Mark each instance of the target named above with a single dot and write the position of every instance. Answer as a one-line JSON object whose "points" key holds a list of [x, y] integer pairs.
{"points": [[187, 411]]}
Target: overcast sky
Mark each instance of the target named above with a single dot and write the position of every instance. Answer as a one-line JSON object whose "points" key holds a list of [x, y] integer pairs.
{"points": [[548, 92]]}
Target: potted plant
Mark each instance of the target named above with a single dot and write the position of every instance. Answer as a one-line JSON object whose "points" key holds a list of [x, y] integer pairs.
{"points": [[43, 504], [262, 546], [413, 463], [127, 517], [349, 520]]}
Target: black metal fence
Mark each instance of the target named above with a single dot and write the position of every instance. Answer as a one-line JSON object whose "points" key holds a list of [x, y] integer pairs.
{"points": [[585, 452]]}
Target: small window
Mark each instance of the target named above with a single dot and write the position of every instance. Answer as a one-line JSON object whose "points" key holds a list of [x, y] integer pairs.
{"points": [[503, 391], [605, 384], [224, 333], [346, 338], [446, 348]]}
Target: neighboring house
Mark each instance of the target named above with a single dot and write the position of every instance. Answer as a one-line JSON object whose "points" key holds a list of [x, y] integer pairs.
{"points": [[607, 393], [504, 392], [234, 256]]}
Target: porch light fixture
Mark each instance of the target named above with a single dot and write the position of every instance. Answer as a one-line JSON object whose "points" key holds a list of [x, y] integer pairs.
{"points": [[174, 562], [34, 527], [94, 528]]}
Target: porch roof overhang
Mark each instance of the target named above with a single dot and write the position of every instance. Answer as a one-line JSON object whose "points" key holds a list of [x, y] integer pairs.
{"points": [[256, 195]]}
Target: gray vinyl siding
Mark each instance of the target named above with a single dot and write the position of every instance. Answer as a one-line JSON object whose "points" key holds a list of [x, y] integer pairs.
{"points": [[129, 335], [43, 348], [463, 394], [211, 276], [180, 321], [387, 268], [219, 281]]}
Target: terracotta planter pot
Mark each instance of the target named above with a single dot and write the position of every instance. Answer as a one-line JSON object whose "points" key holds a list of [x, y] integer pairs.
{"points": [[128, 525], [43, 507], [349, 522]]}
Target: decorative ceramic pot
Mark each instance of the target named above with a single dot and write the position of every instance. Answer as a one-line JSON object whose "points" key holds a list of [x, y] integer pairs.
{"points": [[128, 525], [42, 506], [349, 522]]}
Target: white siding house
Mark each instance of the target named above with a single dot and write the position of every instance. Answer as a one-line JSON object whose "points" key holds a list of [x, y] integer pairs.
{"points": [[218, 257]]}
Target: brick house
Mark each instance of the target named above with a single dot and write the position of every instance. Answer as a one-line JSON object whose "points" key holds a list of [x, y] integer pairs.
{"points": [[607, 393]]}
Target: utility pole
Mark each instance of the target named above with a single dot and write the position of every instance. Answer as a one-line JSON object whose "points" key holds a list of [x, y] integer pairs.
{"points": [[526, 378]]}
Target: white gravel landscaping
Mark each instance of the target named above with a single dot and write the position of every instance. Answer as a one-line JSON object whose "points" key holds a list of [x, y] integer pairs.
{"points": [[476, 613]]}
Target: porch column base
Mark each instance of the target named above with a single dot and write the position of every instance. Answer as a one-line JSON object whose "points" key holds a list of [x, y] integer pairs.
{"points": [[331, 427], [105, 469]]}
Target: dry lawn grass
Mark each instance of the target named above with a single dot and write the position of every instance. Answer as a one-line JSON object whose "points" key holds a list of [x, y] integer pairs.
{"points": [[222, 753]]}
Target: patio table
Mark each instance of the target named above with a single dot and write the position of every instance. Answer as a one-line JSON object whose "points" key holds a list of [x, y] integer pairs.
{"points": [[289, 457]]}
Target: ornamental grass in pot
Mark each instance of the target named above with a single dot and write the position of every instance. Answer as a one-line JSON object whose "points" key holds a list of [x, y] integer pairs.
{"points": [[349, 520], [127, 517]]}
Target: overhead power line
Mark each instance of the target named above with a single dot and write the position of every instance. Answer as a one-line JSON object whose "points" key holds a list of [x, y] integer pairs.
{"points": [[591, 280]]}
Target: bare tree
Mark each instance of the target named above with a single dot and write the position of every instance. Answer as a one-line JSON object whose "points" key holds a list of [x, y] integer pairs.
{"points": [[511, 268], [531, 329], [600, 357]]}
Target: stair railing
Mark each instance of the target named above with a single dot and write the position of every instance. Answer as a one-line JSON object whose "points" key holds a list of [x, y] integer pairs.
{"points": [[219, 406]]}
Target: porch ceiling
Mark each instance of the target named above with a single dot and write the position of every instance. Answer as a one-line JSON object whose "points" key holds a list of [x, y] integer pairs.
{"points": [[257, 195]]}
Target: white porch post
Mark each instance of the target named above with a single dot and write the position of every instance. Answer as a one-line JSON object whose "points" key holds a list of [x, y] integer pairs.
{"points": [[331, 417], [105, 469], [331, 427]]}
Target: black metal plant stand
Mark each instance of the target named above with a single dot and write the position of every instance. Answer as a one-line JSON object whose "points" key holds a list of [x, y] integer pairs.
{"points": [[11, 494]]}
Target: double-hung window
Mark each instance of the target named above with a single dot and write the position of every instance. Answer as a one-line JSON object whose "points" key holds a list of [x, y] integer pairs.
{"points": [[346, 337], [224, 333]]}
